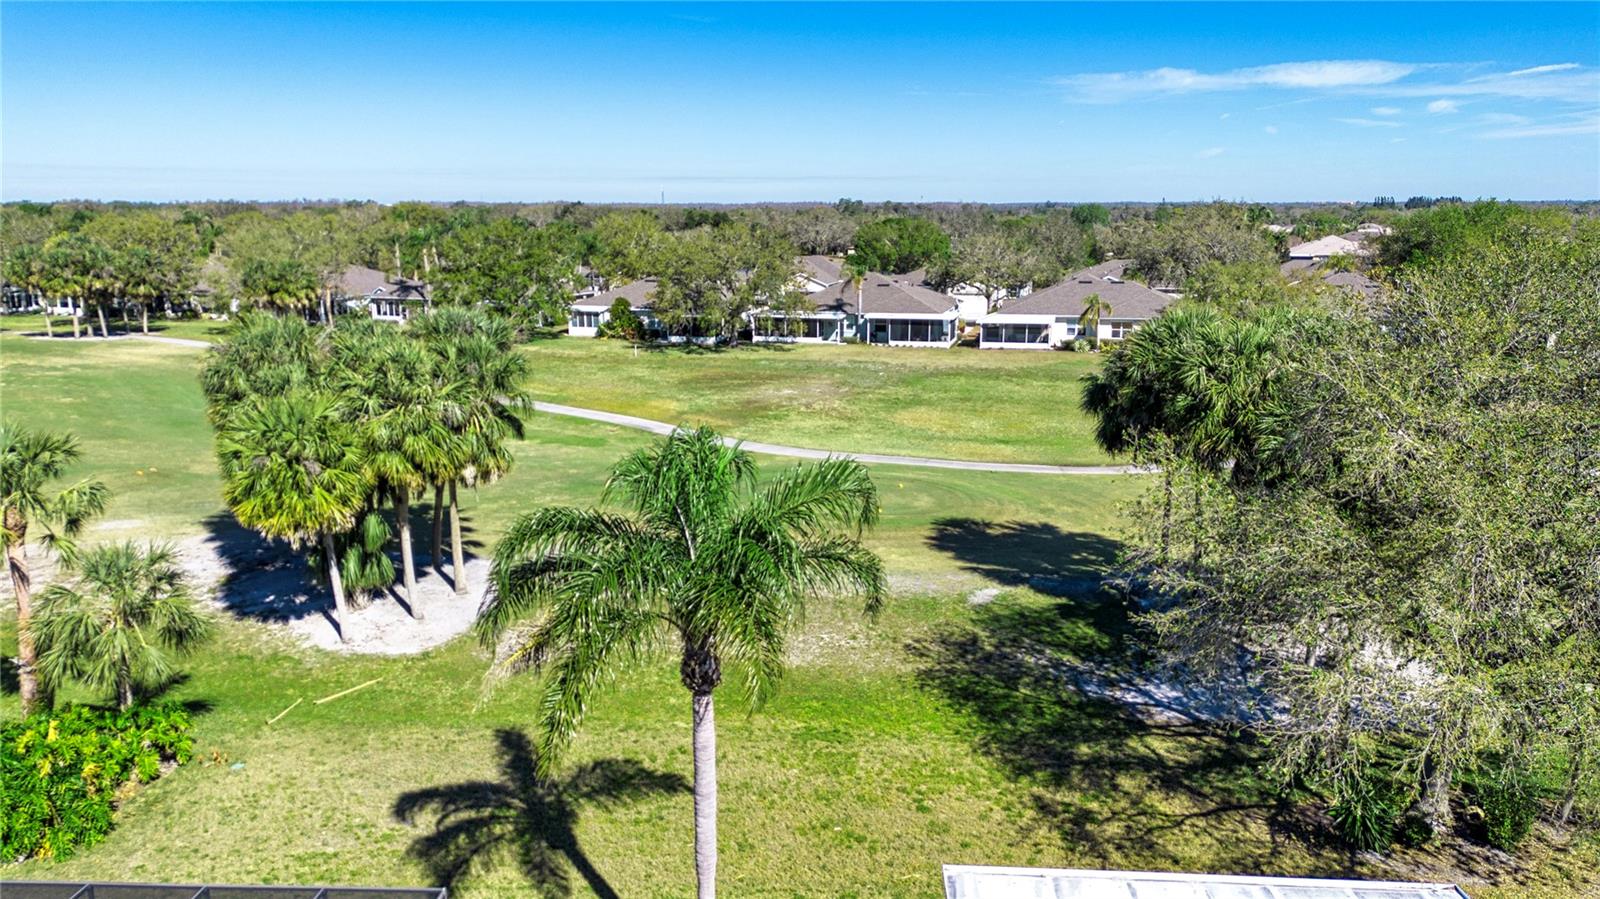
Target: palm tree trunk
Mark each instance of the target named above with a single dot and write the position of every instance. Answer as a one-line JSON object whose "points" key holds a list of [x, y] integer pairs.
{"points": [[408, 569], [1575, 772], [127, 325], [100, 310], [124, 691], [77, 320], [49, 329], [438, 523], [705, 796], [341, 608], [458, 565], [1166, 511], [34, 695], [144, 318]]}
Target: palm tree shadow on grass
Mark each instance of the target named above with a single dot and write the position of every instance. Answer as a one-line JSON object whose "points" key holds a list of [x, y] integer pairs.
{"points": [[524, 817]]}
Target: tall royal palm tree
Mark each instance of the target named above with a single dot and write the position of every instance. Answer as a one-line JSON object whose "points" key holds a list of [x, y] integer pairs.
{"points": [[711, 566], [1094, 309], [854, 271], [292, 470], [117, 626], [31, 465]]}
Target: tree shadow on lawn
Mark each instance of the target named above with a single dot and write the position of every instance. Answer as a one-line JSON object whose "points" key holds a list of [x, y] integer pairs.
{"points": [[1123, 766], [531, 819], [269, 581], [1037, 554]]}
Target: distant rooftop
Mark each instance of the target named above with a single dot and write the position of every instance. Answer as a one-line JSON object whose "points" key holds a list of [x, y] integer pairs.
{"points": [[980, 882]]}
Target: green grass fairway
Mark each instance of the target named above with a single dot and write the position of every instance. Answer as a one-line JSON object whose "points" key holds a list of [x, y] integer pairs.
{"points": [[949, 730], [961, 403], [191, 329]]}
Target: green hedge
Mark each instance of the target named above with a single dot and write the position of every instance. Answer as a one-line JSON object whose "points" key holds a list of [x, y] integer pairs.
{"points": [[63, 772]]}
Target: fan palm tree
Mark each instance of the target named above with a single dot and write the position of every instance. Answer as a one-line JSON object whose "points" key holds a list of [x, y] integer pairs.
{"points": [[1094, 309], [31, 464], [118, 624], [710, 565], [265, 355], [24, 267], [402, 411], [292, 470], [476, 353]]}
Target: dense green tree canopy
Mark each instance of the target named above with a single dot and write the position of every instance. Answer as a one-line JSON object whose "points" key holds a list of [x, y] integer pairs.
{"points": [[899, 245]]}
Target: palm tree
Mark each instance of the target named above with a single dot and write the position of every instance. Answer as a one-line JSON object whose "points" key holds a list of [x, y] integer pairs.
{"points": [[292, 470], [476, 353], [711, 565], [117, 625], [30, 464], [389, 390], [24, 267], [265, 355], [1094, 308], [855, 271]]}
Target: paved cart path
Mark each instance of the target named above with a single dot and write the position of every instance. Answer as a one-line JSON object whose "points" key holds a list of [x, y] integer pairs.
{"points": [[800, 452]]}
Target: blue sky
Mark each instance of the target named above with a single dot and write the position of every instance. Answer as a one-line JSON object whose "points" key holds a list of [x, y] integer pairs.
{"points": [[726, 102]]}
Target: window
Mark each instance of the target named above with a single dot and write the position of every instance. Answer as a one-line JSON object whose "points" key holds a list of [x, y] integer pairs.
{"points": [[1016, 334], [585, 319], [1120, 330], [917, 330]]}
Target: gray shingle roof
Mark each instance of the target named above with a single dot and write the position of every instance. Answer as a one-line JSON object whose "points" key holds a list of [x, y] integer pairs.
{"points": [[824, 268], [884, 294], [363, 282], [1129, 300], [1353, 281], [639, 295]]}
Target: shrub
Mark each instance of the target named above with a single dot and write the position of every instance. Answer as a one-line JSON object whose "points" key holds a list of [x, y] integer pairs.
{"points": [[1079, 346], [63, 773], [1509, 800], [1365, 814], [622, 322]]}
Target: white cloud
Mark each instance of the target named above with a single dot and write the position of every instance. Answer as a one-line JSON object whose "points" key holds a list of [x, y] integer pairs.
{"points": [[1210, 152], [1397, 140], [1583, 125], [1225, 115], [1110, 87], [1385, 110], [1502, 118], [1560, 82], [1271, 129], [1540, 70], [1442, 106], [1369, 123]]}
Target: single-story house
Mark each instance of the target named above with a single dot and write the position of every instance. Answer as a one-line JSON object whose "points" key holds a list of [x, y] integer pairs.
{"points": [[1053, 316], [985, 882], [587, 314], [886, 309], [1323, 247], [384, 298]]}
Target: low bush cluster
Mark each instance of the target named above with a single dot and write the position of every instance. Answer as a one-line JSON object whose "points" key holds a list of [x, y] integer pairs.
{"points": [[64, 772]]}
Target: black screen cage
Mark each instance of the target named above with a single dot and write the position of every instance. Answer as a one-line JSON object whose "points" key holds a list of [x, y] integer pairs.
{"points": [[80, 889]]}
